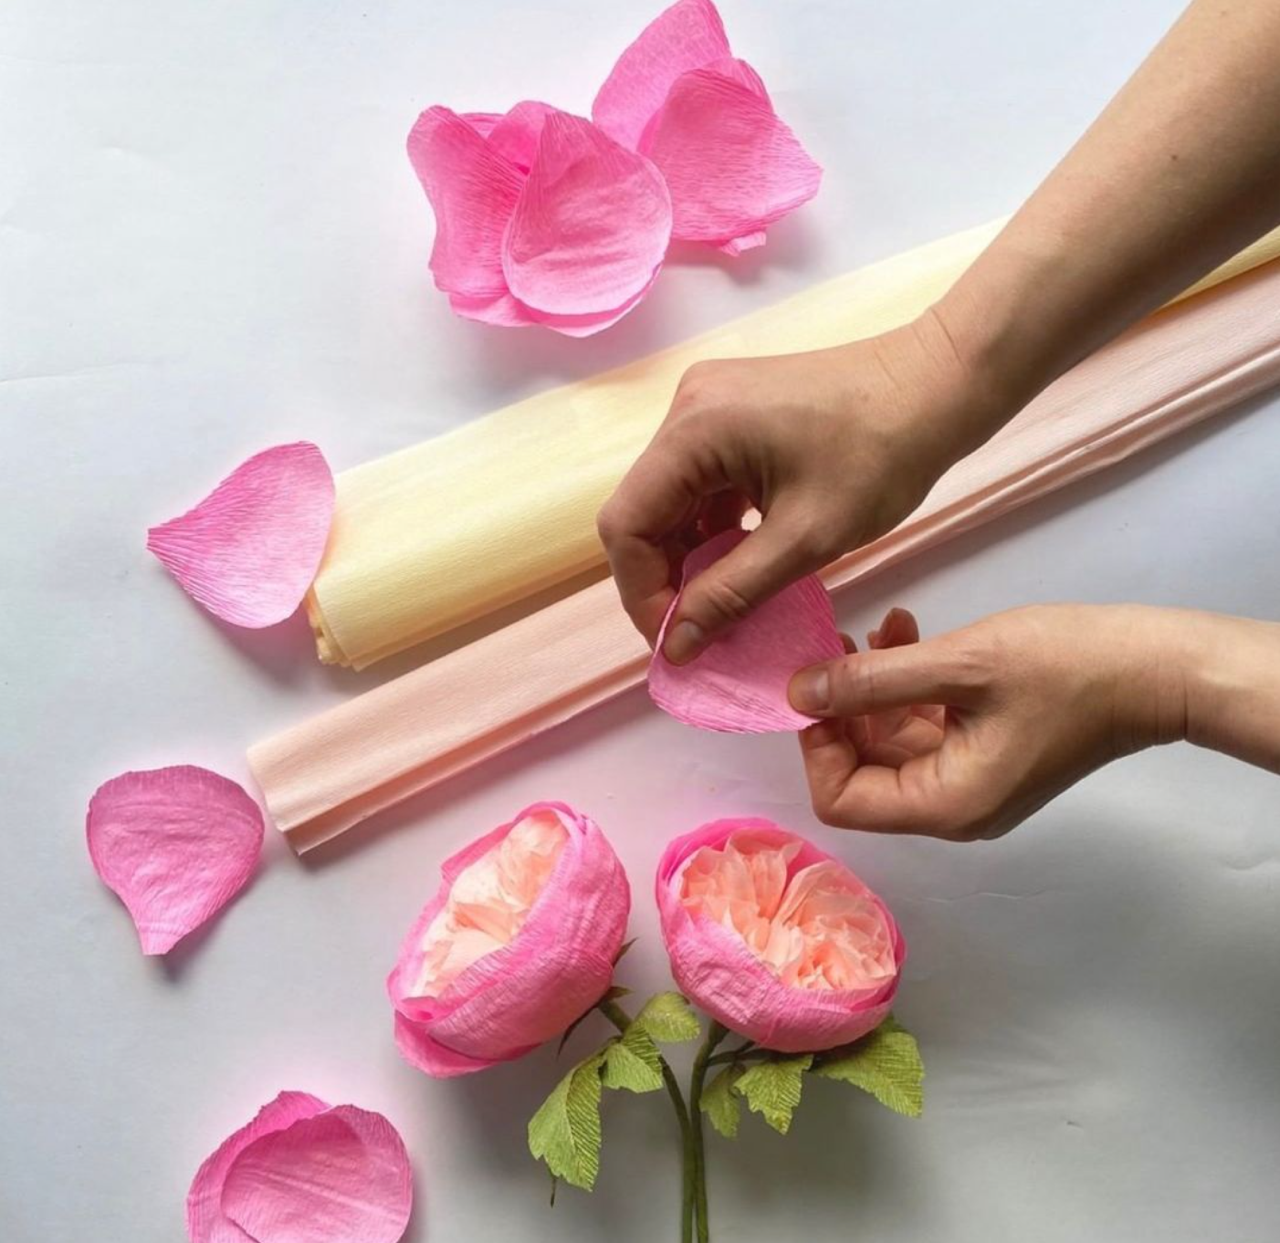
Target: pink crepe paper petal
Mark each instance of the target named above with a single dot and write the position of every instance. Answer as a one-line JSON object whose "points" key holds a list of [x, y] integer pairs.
{"points": [[175, 845], [733, 167], [714, 968], [248, 551], [473, 189], [592, 224], [739, 684], [686, 36], [482, 122], [516, 135], [342, 1175], [507, 312], [206, 1222]]}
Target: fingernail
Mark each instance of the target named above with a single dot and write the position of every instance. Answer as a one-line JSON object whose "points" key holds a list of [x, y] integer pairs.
{"points": [[684, 642], [811, 691]]}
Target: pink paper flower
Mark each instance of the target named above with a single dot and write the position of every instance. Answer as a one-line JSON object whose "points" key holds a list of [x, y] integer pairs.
{"points": [[679, 96], [302, 1172], [541, 218], [738, 685], [518, 942], [774, 938]]}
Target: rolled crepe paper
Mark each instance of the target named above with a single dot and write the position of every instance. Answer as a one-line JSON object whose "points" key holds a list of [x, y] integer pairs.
{"points": [[492, 513], [1182, 365]]}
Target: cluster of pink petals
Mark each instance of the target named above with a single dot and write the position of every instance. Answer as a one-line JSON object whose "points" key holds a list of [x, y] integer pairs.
{"points": [[774, 938], [175, 845], [248, 552], [739, 684], [518, 941], [547, 218], [303, 1172]]}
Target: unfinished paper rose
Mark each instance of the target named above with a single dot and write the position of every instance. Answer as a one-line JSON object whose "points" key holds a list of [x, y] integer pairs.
{"points": [[303, 1172], [774, 938], [739, 683], [678, 96], [541, 217], [249, 550], [175, 845], [517, 943]]}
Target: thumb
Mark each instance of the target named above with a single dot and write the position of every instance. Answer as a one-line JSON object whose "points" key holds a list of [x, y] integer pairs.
{"points": [[932, 672], [772, 556]]}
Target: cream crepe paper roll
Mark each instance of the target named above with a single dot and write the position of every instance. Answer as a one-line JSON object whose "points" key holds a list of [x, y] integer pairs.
{"points": [[1184, 364], [458, 527]]}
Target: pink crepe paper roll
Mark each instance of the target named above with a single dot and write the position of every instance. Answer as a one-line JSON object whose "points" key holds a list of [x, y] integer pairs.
{"points": [[1186, 363]]}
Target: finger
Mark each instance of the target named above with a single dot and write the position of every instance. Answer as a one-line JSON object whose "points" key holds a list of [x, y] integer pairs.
{"points": [[892, 748], [910, 799], [775, 554], [898, 629], [830, 761], [656, 498], [921, 673]]}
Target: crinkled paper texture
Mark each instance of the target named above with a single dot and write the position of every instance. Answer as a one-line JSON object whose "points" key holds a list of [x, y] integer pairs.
{"points": [[541, 218], [559, 964], [704, 117], [739, 683], [302, 1172], [175, 845], [249, 551], [714, 968]]}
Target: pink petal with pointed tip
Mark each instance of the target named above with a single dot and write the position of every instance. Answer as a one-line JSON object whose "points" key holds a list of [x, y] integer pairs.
{"points": [[473, 189], [516, 135], [206, 1222], [686, 36], [482, 122], [175, 845], [738, 685], [592, 224], [248, 552], [733, 167], [342, 1175]]}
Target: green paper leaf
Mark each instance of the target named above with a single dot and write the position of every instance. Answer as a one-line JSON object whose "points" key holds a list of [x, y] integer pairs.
{"points": [[632, 1062], [721, 1106], [626, 945], [885, 1063], [668, 1018], [565, 1132], [772, 1089]]}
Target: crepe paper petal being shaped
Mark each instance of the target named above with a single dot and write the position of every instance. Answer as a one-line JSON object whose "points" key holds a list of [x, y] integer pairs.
{"points": [[776, 939], [516, 134], [688, 35], [339, 1175], [175, 845], [592, 224], [517, 943], [738, 685], [303, 1172], [248, 551], [732, 166], [473, 189]]}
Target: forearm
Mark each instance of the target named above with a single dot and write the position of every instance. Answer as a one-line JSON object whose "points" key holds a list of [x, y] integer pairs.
{"points": [[1180, 171]]}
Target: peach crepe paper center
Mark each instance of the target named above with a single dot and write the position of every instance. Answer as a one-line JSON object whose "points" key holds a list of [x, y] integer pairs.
{"points": [[490, 901], [813, 928]]}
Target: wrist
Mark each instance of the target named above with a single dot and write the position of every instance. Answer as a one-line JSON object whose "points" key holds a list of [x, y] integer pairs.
{"points": [[1153, 652]]}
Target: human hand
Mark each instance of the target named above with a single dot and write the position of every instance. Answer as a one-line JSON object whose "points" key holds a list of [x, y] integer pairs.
{"points": [[833, 447], [1025, 704]]}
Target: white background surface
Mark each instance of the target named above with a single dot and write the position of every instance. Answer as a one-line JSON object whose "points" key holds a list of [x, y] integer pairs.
{"points": [[211, 241]]}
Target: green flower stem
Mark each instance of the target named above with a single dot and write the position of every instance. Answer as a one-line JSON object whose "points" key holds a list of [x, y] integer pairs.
{"points": [[715, 1034], [622, 1020], [743, 1054]]}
